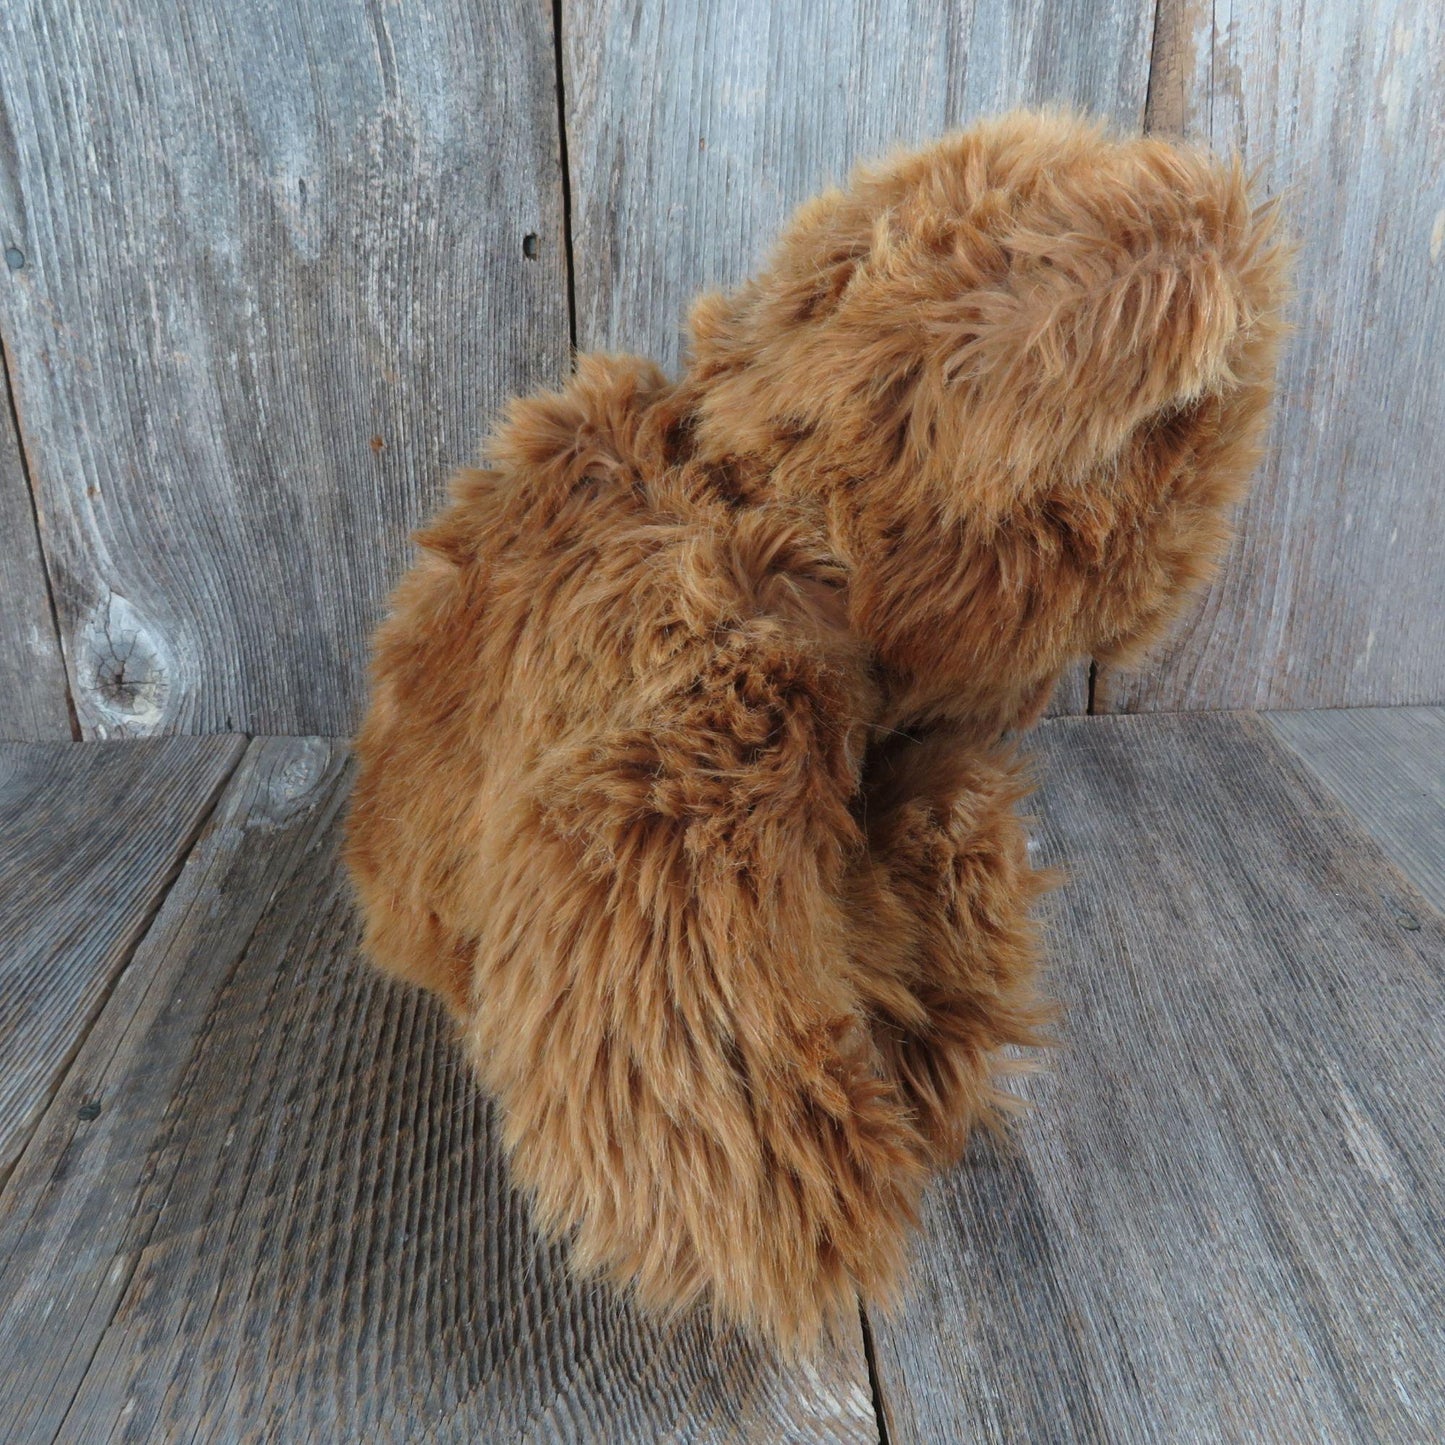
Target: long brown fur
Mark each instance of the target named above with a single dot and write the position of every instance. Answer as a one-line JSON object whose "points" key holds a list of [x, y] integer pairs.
{"points": [[681, 782]]}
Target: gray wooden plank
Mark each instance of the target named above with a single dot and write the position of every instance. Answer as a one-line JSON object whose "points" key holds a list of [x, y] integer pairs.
{"points": [[1387, 765], [291, 1220], [1071, 695], [32, 672], [90, 839], [1332, 593], [1221, 1219], [274, 274]]}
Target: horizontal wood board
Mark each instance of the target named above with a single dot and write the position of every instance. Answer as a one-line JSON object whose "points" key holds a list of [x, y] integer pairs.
{"points": [[1387, 766], [92, 837]]}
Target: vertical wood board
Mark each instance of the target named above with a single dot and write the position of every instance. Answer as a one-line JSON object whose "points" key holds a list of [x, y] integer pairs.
{"points": [[693, 131], [1334, 590], [274, 275], [32, 673]]}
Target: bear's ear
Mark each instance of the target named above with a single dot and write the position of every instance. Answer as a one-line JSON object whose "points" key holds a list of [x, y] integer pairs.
{"points": [[1130, 292]]}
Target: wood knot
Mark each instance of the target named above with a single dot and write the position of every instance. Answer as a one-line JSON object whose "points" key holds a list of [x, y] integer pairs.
{"points": [[125, 670]]}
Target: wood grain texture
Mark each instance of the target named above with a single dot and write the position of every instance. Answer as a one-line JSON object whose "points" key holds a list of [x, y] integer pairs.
{"points": [[1071, 696], [32, 673], [1221, 1220], [693, 131], [290, 1221], [1387, 766], [90, 839], [82, 1206], [1333, 592], [276, 276]]}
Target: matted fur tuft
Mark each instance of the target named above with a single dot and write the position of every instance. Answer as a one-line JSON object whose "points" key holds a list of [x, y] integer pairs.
{"points": [[681, 782]]}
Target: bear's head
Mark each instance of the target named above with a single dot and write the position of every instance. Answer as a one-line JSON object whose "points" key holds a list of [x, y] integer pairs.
{"points": [[1022, 375]]}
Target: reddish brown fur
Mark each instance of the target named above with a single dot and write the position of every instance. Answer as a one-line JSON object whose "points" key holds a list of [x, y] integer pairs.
{"points": [[680, 782]]}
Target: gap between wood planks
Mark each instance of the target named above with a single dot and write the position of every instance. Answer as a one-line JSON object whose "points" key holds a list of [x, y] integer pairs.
{"points": [[146, 922], [23, 449], [566, 168], [875, 1379]]}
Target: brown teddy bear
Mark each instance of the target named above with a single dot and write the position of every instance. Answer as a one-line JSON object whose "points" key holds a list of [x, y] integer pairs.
{"points": [[682, 781]]}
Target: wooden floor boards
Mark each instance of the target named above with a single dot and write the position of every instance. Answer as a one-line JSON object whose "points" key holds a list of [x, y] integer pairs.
{"points": [[1220, 1219], [259, 1198], [92, 838], [1387, 766]]}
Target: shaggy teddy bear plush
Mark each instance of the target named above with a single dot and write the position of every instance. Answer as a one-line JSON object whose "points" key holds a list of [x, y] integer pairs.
{"points": [[682, 782]]}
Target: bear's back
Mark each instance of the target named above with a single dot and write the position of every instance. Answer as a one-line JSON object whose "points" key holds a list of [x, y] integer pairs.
{"points": [[583, 598]]}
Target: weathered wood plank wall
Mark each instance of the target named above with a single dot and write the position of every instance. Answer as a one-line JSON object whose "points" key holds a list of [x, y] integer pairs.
{"points": [[1334, 593], [268, 274], [693, 131]]}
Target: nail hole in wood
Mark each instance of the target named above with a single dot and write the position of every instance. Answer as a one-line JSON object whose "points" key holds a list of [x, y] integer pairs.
{"points": [[529, 245]]}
